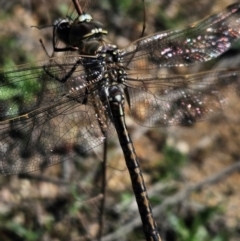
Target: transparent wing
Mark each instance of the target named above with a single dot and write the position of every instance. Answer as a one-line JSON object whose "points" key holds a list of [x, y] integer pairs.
{"points": [[43, 119], [199, 42], [179, 99]]}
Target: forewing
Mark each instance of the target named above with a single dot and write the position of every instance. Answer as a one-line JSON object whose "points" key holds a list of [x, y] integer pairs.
{"points": [[43, 119], [198, 42]]}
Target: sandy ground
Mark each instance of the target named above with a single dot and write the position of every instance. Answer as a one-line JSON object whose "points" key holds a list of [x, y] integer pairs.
{"points": [[62, 202]]}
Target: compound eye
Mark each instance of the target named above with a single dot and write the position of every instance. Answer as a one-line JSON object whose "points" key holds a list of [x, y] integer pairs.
{"points": [[62, 22], [63, 31], [63, 25], [84, 29], [85, 18]]}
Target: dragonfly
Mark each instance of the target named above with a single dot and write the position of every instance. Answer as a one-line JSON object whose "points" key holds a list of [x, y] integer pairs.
{"points": [[70, 104]]}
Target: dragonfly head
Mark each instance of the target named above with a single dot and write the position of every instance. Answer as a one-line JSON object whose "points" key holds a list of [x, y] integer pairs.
{"points": [[83, 28]]}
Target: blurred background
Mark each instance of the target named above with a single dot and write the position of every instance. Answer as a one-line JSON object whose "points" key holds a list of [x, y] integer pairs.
{"points": [[192, 172]]}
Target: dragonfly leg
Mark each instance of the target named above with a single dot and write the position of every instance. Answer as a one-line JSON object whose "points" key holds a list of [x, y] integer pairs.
{"points": [[64, 78]]}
